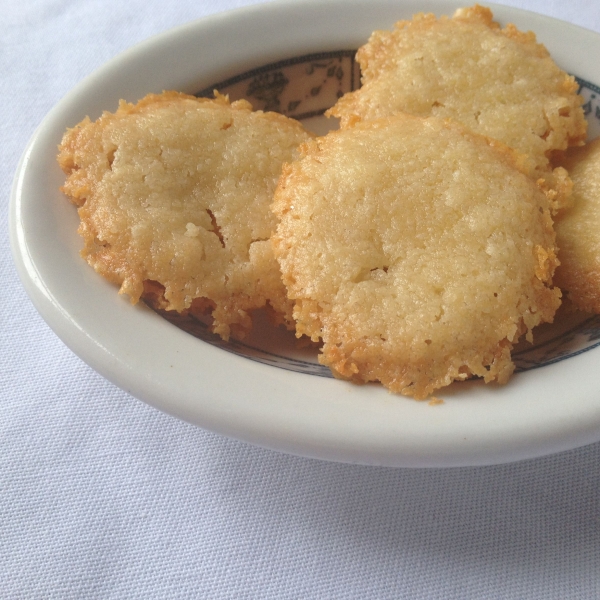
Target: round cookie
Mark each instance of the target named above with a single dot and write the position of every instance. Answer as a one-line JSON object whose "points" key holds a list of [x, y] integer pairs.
{"points": [[417, 251], [497, 82], [578, 231], [174, 195]]}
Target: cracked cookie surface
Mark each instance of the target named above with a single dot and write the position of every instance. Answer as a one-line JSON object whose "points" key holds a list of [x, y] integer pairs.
{"points": [[174, 195]]}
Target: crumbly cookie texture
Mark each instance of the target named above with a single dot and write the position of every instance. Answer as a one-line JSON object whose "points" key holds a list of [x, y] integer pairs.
{"points": [[578, 230], [174, 195], [497, 82], [417, 251]]}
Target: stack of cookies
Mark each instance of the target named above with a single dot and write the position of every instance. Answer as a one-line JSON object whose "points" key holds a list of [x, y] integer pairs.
{"points": [[416, 243]]}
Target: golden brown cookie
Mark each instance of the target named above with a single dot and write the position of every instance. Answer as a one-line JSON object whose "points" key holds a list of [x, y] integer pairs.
{"points": [[174, 195], [497, 82], [578, 230], [418, 252]]}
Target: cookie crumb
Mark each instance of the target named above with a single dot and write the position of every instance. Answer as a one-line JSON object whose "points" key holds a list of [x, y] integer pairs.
{"points": [[433, 401]]}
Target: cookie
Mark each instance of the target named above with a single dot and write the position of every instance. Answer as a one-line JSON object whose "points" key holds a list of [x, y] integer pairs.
{"points": [[497, 82], [174, 195], [417, 251], [578, 231]]}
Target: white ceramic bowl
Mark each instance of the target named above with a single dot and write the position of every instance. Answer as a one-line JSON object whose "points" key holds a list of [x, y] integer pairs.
{"points": [[264, 391]]}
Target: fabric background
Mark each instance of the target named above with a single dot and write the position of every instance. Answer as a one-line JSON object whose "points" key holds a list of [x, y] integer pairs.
{"points": [[104, 497]]}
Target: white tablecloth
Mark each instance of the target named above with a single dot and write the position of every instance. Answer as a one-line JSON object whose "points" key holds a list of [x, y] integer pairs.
{"points": [[104, 497]]}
